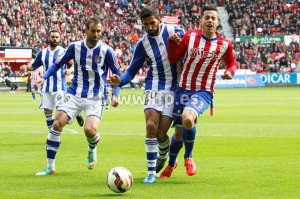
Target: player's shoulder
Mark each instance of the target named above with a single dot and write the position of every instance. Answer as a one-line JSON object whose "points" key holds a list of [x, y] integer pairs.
{"points": [[223, 39], [106, 47]]}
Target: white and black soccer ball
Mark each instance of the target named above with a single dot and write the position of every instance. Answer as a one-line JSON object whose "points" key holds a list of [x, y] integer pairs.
{"points": [[119, 179]]}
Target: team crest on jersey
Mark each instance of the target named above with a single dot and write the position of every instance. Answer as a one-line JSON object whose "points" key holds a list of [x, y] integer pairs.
{"points": [[97, 59], [59, 57]]}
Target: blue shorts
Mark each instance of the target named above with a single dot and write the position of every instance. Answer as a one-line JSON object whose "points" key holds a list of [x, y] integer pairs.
{"points": [[197, 101]]}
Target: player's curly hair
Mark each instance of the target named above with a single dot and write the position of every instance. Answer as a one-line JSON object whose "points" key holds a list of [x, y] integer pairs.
{"points": [[149, 11]]}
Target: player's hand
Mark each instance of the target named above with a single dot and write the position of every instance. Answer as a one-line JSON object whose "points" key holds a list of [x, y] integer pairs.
{"points": [[114, 80], [175, 38], [36, 87], [227, 75], [40, 81], [114, 101], [23, 68]]}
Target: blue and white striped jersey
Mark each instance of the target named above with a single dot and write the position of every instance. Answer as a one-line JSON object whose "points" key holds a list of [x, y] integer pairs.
{"points": [[46, 57], [153, 49], [90, 68]]}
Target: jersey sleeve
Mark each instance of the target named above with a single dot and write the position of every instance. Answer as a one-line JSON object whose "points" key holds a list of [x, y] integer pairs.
{"points": [[113, 65], [230, 60], [137, 62], [60, 61], [176, 52], [38, 60], [180, 30]]}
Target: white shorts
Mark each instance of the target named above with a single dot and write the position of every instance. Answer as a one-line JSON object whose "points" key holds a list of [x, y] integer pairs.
{"points": [[162, 101], [72, 106], [49, 99]]}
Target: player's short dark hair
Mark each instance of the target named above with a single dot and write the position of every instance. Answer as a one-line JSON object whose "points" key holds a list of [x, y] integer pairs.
{"points": [[149, 11], [94, 20], [208, 7], [53, 30]]}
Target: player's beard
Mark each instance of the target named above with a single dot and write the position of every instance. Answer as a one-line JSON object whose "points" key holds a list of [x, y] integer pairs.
{"points": [[155, 32], [54, 44]]}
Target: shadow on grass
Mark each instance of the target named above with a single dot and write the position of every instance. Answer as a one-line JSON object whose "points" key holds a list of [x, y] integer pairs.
{"points": [[109, 195], [160, 181]]}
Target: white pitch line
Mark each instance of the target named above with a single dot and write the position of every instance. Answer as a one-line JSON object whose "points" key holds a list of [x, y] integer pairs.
{"points": [[37, 129]]}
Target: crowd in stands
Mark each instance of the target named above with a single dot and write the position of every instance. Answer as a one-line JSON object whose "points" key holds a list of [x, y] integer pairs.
{"points": [[25, 23], [263, 17]]}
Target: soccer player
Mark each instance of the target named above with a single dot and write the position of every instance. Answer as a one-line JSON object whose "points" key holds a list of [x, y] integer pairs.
{"points": [[92, 59], [203, 51], [53, 91], [161, 81], [34, 76]]}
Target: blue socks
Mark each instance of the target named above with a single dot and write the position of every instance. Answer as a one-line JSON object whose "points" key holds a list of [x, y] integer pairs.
{"points": [[175, 147], [188, 139], [33, 96], [151, 150], [49, 120], [52, 145]]}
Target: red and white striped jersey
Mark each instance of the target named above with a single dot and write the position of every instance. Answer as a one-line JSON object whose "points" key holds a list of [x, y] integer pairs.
{"points": [[34, 75], [202, 57]]}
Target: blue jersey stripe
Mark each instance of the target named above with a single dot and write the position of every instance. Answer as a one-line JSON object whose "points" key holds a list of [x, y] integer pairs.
{"points": [[55, 75], [173, 66], [85, 74], [159, 63], [96, 53], [72, 88], [47, 66]]}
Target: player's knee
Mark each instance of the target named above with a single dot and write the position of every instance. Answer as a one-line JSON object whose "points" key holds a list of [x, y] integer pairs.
{"points": [[57, 125], [90, 131], [152, 127], [187, 122]]}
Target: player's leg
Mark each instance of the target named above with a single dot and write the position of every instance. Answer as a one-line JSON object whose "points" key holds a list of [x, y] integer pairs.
{"points": [[152, 122], [93, 111], [165, 122], [49, 118], [175, 146], [47, 103], [195, 106], [93, 137], [107, 98], [176, 140], [53, 142], [163, 141], [33, 93], [189, 134]]}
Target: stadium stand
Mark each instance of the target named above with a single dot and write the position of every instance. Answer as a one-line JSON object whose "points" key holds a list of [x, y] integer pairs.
{"points": [[26, 23]]}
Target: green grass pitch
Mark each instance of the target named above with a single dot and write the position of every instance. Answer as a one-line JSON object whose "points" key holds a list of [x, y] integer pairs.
{"points": [[249, 149]]}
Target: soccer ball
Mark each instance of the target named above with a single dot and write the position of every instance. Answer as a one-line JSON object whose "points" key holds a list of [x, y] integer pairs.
{"points": [[119, 179]]}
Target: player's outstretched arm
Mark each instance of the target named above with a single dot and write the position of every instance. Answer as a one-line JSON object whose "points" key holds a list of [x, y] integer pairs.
{"points": [[114, 80]]}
